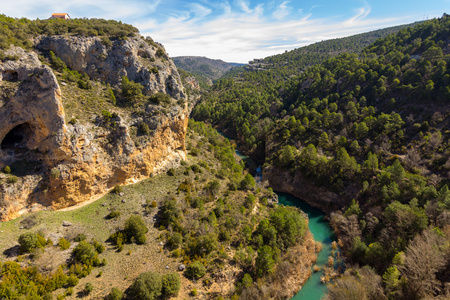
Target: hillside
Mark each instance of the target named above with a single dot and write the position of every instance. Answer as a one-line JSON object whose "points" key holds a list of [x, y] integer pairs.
{"points": [[212, 69], [207, 216], [88, 106], [364, 137], [82, 113]]}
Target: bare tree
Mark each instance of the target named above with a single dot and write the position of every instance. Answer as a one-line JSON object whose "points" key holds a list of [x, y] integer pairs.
{"points": [[423, 259]]}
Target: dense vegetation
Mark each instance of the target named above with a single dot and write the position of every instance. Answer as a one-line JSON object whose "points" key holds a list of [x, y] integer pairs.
{"points": [[372, 128], [19, 31], [215, 219]]}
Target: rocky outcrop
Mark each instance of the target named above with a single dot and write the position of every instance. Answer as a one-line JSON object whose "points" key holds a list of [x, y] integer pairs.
{"points": [[141, 60], [299, 186], [72, 163], [31, 112]]}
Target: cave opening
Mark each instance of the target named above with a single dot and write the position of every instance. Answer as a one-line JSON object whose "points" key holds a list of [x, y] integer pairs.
{"points": [[15, 143], [17, 137], [10, 75]]}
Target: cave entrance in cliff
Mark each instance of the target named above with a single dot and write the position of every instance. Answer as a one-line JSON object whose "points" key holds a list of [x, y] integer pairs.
{"points": [[16, 139], [10, 75]]}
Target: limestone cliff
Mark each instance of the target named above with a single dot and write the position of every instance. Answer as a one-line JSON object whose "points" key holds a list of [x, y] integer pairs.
{"points": [[141, 60], [54, 164]]}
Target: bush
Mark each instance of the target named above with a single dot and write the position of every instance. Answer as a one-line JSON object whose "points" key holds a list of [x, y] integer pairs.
{"points": [[7, 170], [72, 280], [248, 182], [12, 179], [63, 244], [80, 237], [160, 98], [84, 253], [146, 286], [88, 288], [171, 172], [131, 90], [117, 189], [99, 247], [196, 270], [135, 228], [144, 129], [28, 241], [113, 214], [175, 240], [171, 284], [115, 294]]}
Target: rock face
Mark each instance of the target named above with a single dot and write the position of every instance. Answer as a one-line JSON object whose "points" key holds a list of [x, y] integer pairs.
{"points": [[72, 163], [31, 112], [140, 60], [300, 187]]}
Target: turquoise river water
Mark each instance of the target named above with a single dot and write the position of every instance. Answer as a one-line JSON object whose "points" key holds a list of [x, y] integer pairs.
{"points": [[313, 289]]}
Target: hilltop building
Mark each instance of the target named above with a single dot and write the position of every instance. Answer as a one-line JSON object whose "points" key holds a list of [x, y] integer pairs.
{"points": [[62, 16]]}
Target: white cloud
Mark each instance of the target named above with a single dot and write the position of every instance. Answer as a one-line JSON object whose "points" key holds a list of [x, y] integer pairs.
{"points": [[240, 37], [199, 10], [361, 13], [244, 5], [282, 11]]}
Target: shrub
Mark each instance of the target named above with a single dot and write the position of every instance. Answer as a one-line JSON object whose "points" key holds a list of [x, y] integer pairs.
{"points": [[55, 173], [146, 286], [99, 247], [248, 182], [28, 241], [113, 214], [7, 170], [160, 98], [84, 84], [72, 280], [12, 179], [84, 253], [106, 41], [115, 294], [196, 270], [175, 240], [131, 90], [111, 96], [171, 284], [144, 129], [171, 172], [135, 228], [88, 288], [80, 237], [160, 52], [63, 244], [117, 189]]}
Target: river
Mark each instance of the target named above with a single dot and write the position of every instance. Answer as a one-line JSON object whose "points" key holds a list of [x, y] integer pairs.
{"points": [[313, 289]]}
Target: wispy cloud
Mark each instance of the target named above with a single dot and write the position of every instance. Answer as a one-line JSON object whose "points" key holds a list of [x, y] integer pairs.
{"points": [[240, 37], [233, 30], [199, 10], [244, 5], [361, 13], [282, 11]]}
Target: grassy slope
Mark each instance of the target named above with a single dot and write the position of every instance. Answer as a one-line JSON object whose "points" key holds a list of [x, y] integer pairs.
{"points": [[123, 267]]}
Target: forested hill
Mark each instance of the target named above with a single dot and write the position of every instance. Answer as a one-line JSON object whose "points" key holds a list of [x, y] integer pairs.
{"points": [[203, 66], [373, 130]]}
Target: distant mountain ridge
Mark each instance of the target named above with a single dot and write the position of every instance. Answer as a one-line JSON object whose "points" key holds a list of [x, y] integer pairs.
{"points": [[203, 66]]}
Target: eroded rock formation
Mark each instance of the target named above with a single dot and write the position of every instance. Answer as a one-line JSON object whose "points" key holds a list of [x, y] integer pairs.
{"points": [[64, 164]]}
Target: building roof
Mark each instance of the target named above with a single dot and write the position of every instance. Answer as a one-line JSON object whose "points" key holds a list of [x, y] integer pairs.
{"points": [[59, 14]]}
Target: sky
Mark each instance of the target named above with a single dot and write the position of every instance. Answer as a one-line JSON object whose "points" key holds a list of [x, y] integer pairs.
{"points": [[239, 30]]}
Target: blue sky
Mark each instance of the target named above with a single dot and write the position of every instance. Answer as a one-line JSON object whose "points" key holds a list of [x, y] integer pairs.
{"points": [[239, 30]]}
